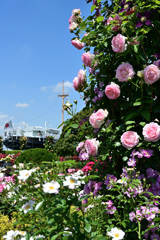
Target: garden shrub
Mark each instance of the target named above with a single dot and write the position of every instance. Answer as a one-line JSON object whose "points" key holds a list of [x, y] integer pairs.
{"points": [[35, 155], [10, 152], [74, 130], [1, 144], [49, 143], [6, 224]]}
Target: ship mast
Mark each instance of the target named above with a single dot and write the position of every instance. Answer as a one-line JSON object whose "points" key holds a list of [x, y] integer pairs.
{"points": [[63, 97]]}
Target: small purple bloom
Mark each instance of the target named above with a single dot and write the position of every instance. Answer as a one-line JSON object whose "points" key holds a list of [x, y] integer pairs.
{"points": [[96, 89], [132, 162], [151, 173], [144, 19], [132, 216], [101, 84], [100, 94], [146, 153]]}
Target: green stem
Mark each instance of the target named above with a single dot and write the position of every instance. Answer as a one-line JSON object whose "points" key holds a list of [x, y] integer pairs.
{"points": [[139, 230]]}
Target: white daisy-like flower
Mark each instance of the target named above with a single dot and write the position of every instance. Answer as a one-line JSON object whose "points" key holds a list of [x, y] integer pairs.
{"points": [[10, 235], [24, 174], [116, 234], [51, 187], [37, 237], [121, 180], [72, 182], [22, 233], [28, 206]]}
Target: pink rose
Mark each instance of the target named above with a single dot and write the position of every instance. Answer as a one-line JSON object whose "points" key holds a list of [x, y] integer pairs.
{"points": [[117, 24], [73, 26], [112, 91], [72, 18], [76, 12], [79, 81], [129, 139], [81, 76], [97, 119], [124, 72], [91, 146], [151, 74], [88, 58], [151, 132], [77, 43], [118, 43]]}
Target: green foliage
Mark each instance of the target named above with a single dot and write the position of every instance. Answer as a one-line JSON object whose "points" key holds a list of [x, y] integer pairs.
{"points": [[10, 152], [6, 224], [49, 143], [23, 142], [74, 131], [35, 155]]}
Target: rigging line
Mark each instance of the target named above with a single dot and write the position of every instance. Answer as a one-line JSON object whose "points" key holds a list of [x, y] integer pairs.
{"points": [[40, 114]]}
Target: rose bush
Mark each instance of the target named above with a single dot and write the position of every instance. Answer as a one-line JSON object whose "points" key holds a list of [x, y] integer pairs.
{"points": [[112, 189]]}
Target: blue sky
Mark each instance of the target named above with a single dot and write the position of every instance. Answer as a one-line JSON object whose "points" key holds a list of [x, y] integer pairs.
{"points": [[36, 55]]}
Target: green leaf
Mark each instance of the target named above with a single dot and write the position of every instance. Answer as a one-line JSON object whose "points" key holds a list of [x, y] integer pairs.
{"points": [[92, 8], [129, 122], [67, 133], [74, 125], [98, 1], [146, 115], [135, 48], [27, 236], [99, 19], [88, 228], [39, 205], [137, 104], [54, 237]]}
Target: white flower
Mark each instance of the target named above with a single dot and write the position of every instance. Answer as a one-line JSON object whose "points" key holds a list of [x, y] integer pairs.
{"points": [[24, 174], [72, 182], [116, 234], [22, 233], [121, 180], [28, 206], [10, 235], [1, 175], [51, 187]]}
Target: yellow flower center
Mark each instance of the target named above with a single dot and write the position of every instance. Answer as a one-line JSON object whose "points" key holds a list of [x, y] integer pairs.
{"points": [[72, 181], [27, 207], [143, 19], [116, 234], [51, 187], [27, 174], [126, 6]]}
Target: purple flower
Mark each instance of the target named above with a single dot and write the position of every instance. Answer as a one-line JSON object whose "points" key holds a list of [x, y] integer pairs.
{"points": [[109, 180], [96, 89], [146, 153], [144, 19], [101, 84], [132, 162], [155, 236], [125, 5], [95, 99], [100, 94], [83, 156], [132, 216], [151, 173]]}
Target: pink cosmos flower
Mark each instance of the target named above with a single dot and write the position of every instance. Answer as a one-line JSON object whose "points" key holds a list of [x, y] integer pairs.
{"points": [[97, 119], [118, 43], [124, 72], [112, 91], [91, 146], [88, 58], [77, 43], [129, 139], [151, 74], [151, 132]]}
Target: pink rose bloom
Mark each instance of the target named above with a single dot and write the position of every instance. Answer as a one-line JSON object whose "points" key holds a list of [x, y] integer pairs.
{"points": [[129, 139], [118, 43], [124, 72], [97, 119], [109, 20], [88, 58], [81, 76], [151, 74], [77, 43], [151, 132], [72, 18], [91, 146], [76, 83], [117, 24], [76, 12], [73, 26], [112, 91]]}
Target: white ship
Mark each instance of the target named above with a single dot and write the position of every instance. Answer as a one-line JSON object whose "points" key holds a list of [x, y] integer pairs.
{"points": [[35, 136]]}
